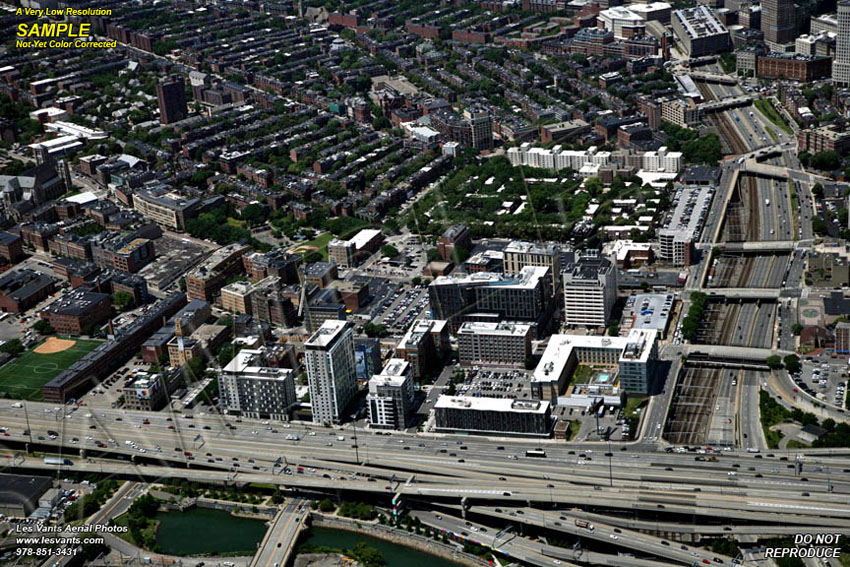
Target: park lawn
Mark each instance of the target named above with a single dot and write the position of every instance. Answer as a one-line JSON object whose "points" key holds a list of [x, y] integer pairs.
{"points": [[321, 243], [23, 377], [149, 531], [583, 374], [773, 438], [633, 403], [766, 107]]}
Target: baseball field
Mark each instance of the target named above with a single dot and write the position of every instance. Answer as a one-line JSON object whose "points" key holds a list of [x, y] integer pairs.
{"points": [[24, 376]]}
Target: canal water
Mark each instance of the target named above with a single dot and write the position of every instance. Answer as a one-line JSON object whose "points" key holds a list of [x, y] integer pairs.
{"points": [[201, 531], [395, 555]]}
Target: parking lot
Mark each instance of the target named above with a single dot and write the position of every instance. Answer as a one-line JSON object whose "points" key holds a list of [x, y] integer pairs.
{"points": [[611, 424], [401, 307], [827, 381], [494, 383], [410, 263], [107, 393]]}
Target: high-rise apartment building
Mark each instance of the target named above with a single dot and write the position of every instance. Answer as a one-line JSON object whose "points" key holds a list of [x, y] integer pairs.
{"points": [[251, 387], [590, 290], [523, 297], [425, 346], [494, 344], [841, 62], [331, 373], [778, 21], [391, 395], [519, 254], [171, 96]]}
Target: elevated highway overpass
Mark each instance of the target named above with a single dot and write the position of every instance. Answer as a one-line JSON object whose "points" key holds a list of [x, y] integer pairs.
{"points": [[744, 293], [732, 353], [744, 498], [724, 104], [712, 78], [762, 246], [280, 539], [766, 170], [569, 523], [542, 554]]}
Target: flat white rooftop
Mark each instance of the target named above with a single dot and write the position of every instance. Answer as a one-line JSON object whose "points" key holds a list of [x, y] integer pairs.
{"points": [[528, 277], [418, 330], [502, 328], [326, 334], [363, 237], [492, 404], [558, 351]]}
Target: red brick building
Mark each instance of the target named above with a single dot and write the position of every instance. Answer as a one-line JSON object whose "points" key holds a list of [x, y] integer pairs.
{"points": [[77, 312], [38, 235], [11, 247], [825, 139], [803, 68], [24, 289]]}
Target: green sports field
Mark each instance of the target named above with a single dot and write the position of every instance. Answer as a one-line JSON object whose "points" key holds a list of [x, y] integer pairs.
{"points": [[24, 376]]}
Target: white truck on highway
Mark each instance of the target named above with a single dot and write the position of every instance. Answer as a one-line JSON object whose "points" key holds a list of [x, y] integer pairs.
{"points": [[767, 202]]}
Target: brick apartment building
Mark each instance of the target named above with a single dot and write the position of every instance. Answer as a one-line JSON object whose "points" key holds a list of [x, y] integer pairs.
{"points": [[78, 312]]}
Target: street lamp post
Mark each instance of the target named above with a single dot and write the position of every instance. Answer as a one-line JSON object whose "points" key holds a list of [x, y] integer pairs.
{"points": [[356, 448], [27, 417]]}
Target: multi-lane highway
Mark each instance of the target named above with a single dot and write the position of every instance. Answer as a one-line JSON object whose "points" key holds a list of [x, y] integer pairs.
{"points": [[443, 467]]}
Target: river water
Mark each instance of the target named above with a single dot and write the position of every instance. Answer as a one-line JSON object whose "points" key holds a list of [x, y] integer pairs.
{"points": [[206, 531], [395, 555], [202, 531]]}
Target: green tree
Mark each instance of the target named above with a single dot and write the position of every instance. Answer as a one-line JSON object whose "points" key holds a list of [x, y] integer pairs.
{"points": [[312, 257], [373, 330], [809, 419], [692, 321], [367, 555], [226, 353], [792, 363], [15, 167], [44, 328], [13, 347], [389, 250], [91, 550], [773, 362], [796, 328], [326, 505], [254, 214], [826, 161], [123, 301], [195, 367]]}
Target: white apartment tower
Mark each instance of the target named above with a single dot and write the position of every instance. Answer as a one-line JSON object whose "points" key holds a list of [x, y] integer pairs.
{"points": [[590, 290], [331, 372], [390, 395], [841, 63]]}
